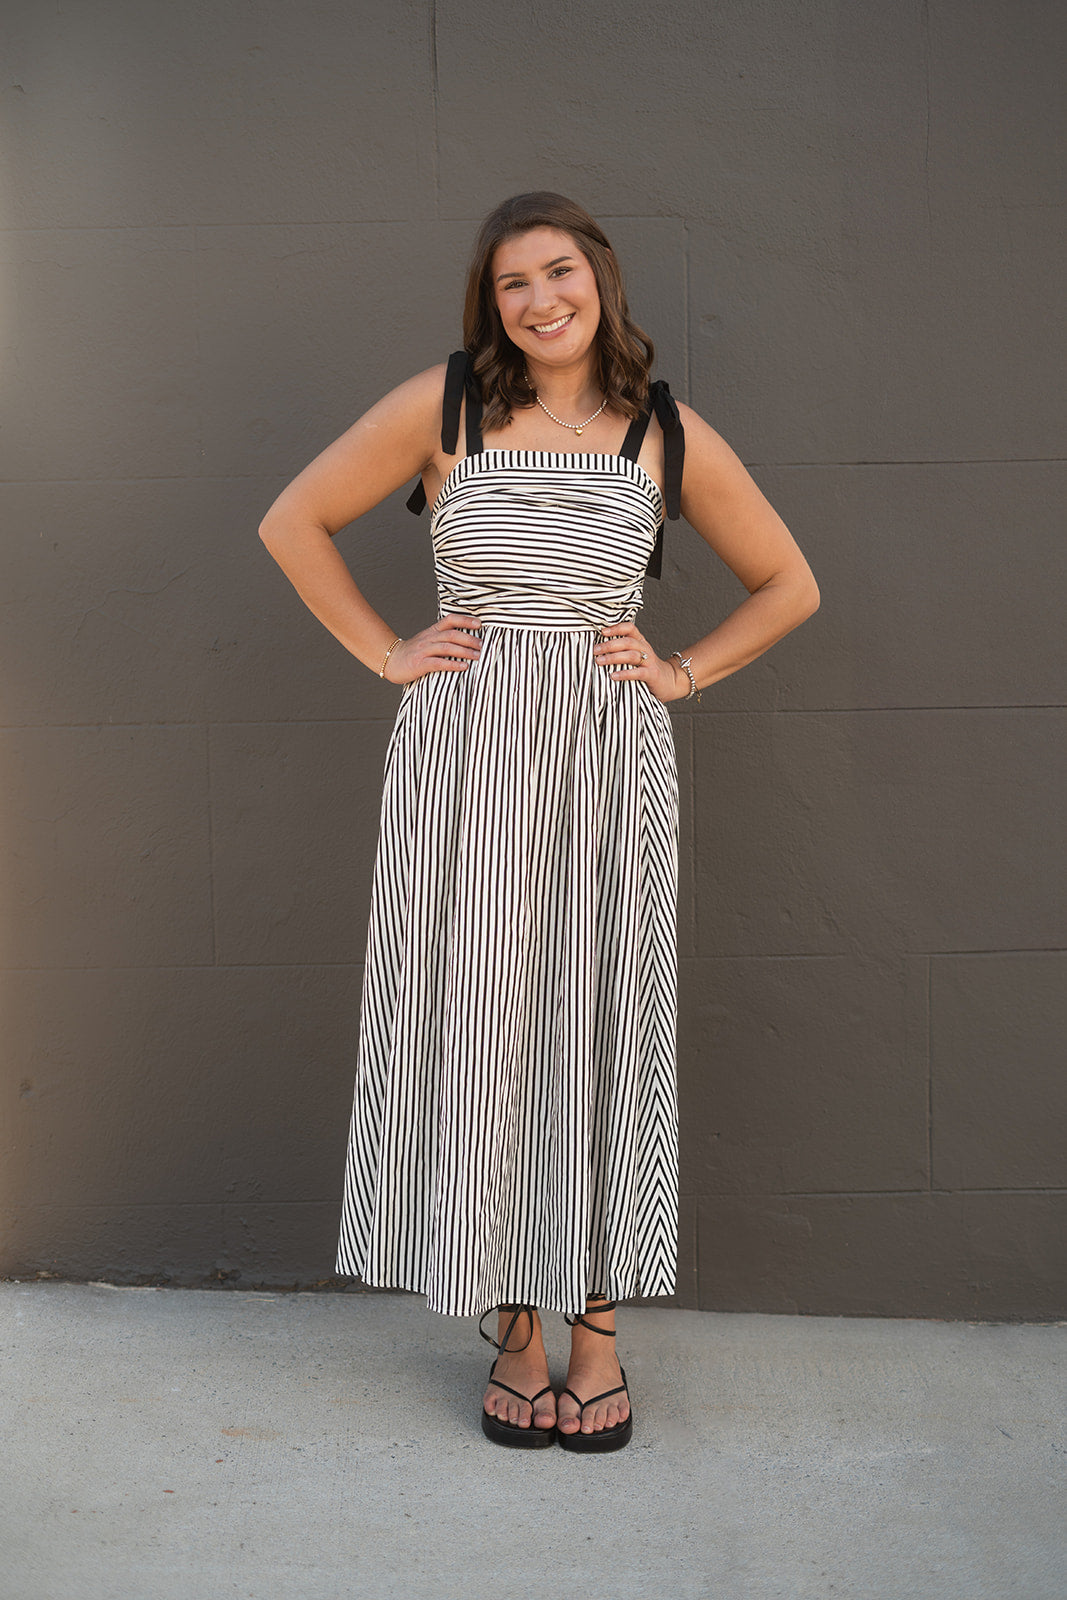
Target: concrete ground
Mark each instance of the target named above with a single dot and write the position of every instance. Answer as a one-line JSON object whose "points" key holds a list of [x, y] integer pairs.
{"points": [[183, 1445]]}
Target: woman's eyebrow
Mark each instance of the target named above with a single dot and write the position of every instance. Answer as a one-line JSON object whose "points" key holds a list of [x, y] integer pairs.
{"points": [[547, 265]]}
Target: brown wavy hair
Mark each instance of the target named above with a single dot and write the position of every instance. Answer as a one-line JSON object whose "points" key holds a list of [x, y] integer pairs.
{"points": [[624, 351]]}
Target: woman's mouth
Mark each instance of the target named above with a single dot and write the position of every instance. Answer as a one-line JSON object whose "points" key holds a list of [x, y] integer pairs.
{"points": [[545, 330]]}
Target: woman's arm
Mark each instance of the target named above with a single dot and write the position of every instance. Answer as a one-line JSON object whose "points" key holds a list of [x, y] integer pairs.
{"points": [[726, 508], [395, 440]]}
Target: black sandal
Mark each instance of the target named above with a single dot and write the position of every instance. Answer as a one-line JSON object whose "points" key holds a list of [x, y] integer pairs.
{"points": [[608, 1438], [509, 1433]]}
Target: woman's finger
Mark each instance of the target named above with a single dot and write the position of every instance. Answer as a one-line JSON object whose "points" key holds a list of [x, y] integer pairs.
{"points": [[458, 620], [633, 648]]}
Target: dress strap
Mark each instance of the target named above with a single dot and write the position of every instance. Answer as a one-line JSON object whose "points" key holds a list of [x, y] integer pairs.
{"points": [[474, 416], [661, 401], [459, 380], [455, 379], [635, 434]]}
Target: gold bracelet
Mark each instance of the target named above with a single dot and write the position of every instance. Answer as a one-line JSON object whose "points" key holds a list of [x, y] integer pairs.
{"points": [[388, 653], [687, 667]]}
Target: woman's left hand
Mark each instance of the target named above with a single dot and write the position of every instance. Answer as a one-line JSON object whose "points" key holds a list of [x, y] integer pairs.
{"points": [[629, 655]]}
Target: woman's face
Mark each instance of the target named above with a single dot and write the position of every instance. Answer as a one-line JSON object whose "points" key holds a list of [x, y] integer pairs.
{"points": [[546, 295]]}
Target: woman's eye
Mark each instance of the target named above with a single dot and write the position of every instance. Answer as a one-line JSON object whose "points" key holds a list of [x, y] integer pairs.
{"points": [[560, 272]]}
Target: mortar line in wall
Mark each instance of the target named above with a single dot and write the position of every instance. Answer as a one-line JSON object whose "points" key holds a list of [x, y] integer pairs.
{"points": [[694, 899], [927, 461], [775, 955], [193, 224], [196, 966], [875, 955], [197, 367], [735, 1195], [266, 966], [387, 719], [434, 107], [924, 35], [687, 319], [211, 848], [855, 711], [732, 1195], [294, 222], [929, 1076], [753, 466], [297, 222], [184, 1205], [165, 477], [1028, 950]]}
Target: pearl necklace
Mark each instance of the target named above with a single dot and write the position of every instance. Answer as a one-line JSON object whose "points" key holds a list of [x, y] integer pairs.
{"points": [[575, 427]]}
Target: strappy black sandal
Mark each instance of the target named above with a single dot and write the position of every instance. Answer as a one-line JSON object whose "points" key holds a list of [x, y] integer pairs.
{"points": [[608, 1438], [509, 1433]]}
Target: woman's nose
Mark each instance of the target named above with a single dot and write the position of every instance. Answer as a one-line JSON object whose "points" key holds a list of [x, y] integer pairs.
{"points": [[543, 296]]}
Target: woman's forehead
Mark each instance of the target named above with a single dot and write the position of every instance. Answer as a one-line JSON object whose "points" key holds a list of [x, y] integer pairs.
{"points": [[525, 252]]}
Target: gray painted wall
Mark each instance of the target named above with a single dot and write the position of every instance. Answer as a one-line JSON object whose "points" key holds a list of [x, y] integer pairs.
{"points": [[229, 228]]}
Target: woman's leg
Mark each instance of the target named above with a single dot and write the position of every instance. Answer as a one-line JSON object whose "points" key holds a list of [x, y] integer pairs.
{"points": [[594, 1368], [522, 1369]]}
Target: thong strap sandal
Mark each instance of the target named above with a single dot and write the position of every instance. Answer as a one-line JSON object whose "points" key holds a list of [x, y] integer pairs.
{"points": [[495, 1428], [607, 1438]]}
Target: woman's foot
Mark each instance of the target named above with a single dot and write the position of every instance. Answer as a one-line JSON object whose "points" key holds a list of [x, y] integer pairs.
{"points": [[523, 1369], [594, 1369]]}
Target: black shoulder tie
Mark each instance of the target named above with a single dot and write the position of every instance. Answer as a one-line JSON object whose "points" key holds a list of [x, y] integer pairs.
{"points": [[457, 377], [673, 446], [455, 380], [662, 403]]}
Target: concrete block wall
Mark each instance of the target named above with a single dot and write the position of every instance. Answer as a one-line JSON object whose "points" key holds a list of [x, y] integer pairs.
{"points": [[225, 231]]}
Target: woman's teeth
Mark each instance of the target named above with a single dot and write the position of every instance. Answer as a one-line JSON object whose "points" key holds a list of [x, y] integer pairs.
{"points": [[550, 327]]}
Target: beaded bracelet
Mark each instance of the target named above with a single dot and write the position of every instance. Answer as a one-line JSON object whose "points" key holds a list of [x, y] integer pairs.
{"points": [[687, 667], [388, 653]]}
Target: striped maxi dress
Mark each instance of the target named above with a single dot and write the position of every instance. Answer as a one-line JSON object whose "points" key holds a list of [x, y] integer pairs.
{"points": [[514, 1123]]}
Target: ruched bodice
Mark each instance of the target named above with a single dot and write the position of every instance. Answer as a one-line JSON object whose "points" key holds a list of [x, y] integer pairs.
{"points": [[545, 539]]}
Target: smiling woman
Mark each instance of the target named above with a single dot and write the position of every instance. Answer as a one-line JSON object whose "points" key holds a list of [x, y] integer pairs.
{"points": [[513, 1143], [541, 290]]}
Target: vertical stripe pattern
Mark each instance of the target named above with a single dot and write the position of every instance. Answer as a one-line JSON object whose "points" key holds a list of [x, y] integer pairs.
{"points": [[514, 1125]]}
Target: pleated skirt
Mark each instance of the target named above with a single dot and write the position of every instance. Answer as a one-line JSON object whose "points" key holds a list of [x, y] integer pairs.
{"points": [[514, 1123]]}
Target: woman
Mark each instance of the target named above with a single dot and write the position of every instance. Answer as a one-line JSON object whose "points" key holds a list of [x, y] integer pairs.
{"points": [[513, 1139]]}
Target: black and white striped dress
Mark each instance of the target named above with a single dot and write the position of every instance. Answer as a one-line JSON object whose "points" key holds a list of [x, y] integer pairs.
{"points": [[514, 1128]]}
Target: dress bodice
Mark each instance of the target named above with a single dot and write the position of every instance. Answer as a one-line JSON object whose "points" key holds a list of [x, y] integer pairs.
{"points": [[545, 539]]}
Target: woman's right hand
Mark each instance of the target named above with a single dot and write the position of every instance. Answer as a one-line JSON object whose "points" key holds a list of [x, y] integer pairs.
{"points": [[446, 646]]}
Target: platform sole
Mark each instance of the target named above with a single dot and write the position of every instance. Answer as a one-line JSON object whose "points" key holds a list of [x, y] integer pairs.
{"points": [[597, 1444], [515, 1438]]}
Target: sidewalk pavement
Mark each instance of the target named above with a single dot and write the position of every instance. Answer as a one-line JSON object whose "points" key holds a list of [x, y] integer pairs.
{"points": [[169, 1444]]}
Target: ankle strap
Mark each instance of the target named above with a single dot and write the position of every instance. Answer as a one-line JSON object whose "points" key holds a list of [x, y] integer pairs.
{"points": [[592, 1310], [503, 1345]]}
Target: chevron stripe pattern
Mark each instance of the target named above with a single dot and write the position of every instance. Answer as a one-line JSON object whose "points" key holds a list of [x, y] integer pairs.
{"points": [[514, 1128]]}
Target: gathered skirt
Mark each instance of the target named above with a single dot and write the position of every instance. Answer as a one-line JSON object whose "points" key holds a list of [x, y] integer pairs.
{"points": [[514, 1124]]}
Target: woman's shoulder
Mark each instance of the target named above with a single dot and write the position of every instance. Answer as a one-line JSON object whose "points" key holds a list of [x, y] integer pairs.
{"points": [[413, 406], [423, 388], [698, 431]]}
